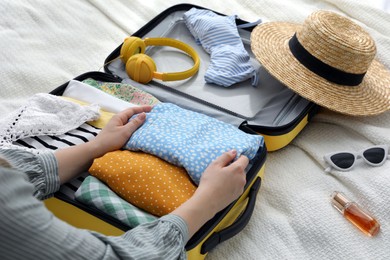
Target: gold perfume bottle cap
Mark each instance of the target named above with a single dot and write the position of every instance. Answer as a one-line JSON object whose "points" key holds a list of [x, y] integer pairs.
{"points": [[339, 201]]}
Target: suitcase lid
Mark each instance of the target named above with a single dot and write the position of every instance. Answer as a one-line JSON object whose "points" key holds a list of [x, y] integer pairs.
{"points": [[270, 108]]}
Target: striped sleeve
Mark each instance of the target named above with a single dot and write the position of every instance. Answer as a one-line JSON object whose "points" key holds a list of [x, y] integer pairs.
{"points": [[30, 231], [164, 238], [41, 169]]}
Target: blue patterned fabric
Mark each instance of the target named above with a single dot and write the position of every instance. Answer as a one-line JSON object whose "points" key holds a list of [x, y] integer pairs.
{"points": [[218, 35], [190, 139]]}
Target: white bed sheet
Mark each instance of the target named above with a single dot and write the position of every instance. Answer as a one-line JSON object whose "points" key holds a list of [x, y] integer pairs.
{"points": [[45, 43]]}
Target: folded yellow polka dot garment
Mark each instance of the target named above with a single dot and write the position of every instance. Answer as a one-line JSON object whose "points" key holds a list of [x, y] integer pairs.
{"points": [[144, 180]]}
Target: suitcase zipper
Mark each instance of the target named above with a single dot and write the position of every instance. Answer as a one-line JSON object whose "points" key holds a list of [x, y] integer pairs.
{"points": [[284, 112]]}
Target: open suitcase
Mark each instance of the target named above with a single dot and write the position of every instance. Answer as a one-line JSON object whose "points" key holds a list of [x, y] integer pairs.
{"points": [[271, 110]]}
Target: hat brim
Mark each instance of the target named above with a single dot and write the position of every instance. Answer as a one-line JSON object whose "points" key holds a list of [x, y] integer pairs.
{"points": [[269, 43]]}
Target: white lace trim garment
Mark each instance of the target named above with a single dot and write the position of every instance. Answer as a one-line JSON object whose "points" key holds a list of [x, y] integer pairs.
{"points": [[44, 114]]}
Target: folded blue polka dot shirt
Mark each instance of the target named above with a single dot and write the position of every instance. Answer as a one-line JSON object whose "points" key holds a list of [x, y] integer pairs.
{"points": [[189, 139]]}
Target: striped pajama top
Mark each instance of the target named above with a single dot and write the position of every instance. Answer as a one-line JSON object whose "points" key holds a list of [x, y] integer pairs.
{"points": [[29, 231]]}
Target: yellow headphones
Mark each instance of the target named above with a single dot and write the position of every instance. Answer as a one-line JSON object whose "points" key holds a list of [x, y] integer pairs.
{"points": [[141, 67]]}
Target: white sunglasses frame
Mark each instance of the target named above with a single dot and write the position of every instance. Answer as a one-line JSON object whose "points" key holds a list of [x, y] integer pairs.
{"points": [[357, 155]]}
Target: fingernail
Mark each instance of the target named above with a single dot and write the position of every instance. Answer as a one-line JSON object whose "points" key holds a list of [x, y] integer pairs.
{"points": [[234, 152], [142, 116]]}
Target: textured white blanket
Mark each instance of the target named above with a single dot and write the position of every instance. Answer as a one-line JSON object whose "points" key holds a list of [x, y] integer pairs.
{"points": [[45, 43]]}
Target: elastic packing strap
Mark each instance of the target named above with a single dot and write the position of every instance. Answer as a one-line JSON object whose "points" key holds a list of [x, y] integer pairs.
{"points": [[255, 77]]}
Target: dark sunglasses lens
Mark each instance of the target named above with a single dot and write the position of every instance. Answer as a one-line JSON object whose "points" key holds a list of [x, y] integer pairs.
{"points": [[343, 160], [374, 155]]}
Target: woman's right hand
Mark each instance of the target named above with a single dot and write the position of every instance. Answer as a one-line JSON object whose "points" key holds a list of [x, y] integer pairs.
{"points": [[222, 182]]}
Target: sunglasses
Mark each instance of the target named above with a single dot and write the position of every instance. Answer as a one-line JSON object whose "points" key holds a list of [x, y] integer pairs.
{"points": [[344, 161]]}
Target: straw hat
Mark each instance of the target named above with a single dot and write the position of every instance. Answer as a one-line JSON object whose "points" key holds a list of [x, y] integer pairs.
{"points": [[329, 60]]}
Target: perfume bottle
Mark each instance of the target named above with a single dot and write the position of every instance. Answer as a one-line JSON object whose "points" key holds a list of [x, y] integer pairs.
{"points": [[355, 214]]}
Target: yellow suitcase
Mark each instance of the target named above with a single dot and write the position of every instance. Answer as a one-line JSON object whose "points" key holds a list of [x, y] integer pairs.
{"points": [[279, 118]]}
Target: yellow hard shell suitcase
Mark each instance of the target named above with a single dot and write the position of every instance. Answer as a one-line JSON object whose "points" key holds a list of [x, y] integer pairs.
{"points": [[223, 226], [272, 110]]}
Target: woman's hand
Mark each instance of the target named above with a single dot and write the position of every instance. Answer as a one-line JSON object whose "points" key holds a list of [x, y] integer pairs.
{"points": [[119, 130], [76, 159], [222, 182]]}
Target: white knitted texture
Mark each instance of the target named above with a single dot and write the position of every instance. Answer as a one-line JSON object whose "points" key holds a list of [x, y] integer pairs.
{"points": [[45, 114], [46, 43]]}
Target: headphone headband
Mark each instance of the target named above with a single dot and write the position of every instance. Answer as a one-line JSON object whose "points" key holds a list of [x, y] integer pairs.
{"points": [[134, 45], [171, 76]]}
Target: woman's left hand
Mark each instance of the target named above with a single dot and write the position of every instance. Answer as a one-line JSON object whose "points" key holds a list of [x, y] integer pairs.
{"points": [[76, 159], [119, 130]]}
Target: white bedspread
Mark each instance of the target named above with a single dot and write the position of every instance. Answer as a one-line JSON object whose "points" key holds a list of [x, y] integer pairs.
{"points": [[45, 43]]}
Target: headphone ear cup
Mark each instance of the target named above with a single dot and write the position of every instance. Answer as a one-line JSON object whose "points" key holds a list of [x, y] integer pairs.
{"points": [[141, 67], [131, 45]]}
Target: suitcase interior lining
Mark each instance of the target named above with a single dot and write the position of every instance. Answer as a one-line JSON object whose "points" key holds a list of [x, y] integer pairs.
{"points": [[269, 104]]}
